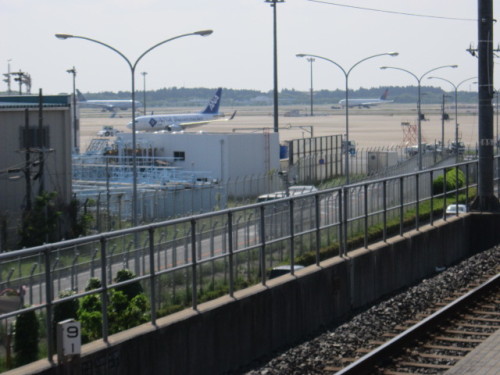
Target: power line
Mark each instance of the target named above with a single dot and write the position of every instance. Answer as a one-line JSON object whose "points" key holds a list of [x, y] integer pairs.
{"points": [[394, 12]]}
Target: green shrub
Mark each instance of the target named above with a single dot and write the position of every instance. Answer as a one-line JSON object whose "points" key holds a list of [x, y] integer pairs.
{"points": [[451, 181], [93, 283], [90, 317], [130, 290], [26, 338]]}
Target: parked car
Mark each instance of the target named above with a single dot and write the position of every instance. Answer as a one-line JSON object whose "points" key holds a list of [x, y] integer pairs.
{"points": [[460, 149], [292, 190], [301, 189], [451, 210], [271, 196]]}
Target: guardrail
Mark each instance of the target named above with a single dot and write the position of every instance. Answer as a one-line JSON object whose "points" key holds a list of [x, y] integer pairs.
{"points": [[183, 262]]}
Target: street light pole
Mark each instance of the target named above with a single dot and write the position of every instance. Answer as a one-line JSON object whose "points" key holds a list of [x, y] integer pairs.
{"points": [[275, 64], [419, 105], [311, 60], [76, 128], [444, 117], [132, 71], [455, 87], [346, 75], [144, 90]]}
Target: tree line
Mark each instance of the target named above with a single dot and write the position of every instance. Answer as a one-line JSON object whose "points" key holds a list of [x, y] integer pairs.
{"points": [[196, 97]]}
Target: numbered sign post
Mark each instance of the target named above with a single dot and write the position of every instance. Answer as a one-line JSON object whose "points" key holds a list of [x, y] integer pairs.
{"points": [[69, 340]]}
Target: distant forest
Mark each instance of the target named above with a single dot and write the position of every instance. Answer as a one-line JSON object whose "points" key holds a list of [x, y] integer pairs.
{"points": [[186, 97]]}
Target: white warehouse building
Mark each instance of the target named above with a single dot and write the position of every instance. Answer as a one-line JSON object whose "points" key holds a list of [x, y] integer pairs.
{"points": [[226, 157]]}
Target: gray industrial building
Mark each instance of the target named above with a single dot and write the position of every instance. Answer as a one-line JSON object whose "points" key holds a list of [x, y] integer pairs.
{"points": [[226, 156], [36, 146]]}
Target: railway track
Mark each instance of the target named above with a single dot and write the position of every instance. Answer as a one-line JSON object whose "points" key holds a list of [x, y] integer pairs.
{"points": [[436, 341]]}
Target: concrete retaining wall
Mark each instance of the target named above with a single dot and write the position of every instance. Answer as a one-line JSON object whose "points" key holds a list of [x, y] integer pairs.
{"points": [[229, 332]]}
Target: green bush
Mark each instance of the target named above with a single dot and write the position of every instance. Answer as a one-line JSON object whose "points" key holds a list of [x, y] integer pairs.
{"points": [[93, 283], [26, 338], [128, 307], [451, 181], [130, 290], [90, 317]]}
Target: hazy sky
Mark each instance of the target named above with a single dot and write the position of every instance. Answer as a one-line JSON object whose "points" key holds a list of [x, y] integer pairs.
{"points": [[239, 54]]}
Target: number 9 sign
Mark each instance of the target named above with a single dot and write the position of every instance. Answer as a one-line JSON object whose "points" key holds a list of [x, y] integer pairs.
{"points": [[69, 340]]}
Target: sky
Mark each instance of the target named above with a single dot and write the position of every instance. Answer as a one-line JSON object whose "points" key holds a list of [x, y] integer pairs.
{"points": [[239, 53]]}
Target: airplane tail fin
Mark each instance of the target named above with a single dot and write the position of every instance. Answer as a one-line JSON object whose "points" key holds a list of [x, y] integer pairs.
{"points": [[384, 95], [80, 96], [213, 104]]}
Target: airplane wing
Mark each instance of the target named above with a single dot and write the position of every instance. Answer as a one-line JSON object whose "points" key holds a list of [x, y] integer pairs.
{"points": [[198, 123]]}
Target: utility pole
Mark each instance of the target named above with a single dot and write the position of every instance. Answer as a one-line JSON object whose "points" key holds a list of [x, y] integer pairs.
{"points": [[485, 200], [41, 145], [7, 77], [27, 167]]}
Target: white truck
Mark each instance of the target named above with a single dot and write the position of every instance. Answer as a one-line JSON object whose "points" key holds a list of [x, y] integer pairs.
{"points": [[107, 131]]}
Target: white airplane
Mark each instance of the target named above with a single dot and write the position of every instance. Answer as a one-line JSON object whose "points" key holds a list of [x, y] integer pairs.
{"points": [[179, 122], [106, 105], [367, 103]]}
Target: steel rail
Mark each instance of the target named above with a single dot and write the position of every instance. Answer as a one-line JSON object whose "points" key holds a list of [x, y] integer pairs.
{"points": [[367, 363]]}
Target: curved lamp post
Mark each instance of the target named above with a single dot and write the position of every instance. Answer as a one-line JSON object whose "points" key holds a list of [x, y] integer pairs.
{"points": [[273, 4], [456, 108], [346, 74], [311, 61], [76, 129], [132, 67], [419, 114]]}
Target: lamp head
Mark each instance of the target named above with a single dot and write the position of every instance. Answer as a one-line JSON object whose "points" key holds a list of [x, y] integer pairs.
{"points": [[203, 32], [63, 36], [300, 55], [393, 53], [453, 66], [384, 67]]}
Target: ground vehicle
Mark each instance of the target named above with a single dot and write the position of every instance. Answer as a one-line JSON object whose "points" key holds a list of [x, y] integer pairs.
{"points": [[301, 189], [107, 131], [453, 148], [271, 196], [452, 209], [292, 191], [351, 149]]}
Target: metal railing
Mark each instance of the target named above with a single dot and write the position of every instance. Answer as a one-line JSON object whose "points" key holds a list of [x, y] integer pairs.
{"points": [[185, 261]]}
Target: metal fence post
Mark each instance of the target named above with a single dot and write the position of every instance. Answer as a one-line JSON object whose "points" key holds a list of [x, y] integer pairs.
{"points": [[401, 206], [49, 297], [152, 272], [432, 197], [342, 247], [384, 213], [230, 247], [365, 204], [104, 293], [417, 199], [292, 236], [317, 207], [194, 296], [263, 245]]}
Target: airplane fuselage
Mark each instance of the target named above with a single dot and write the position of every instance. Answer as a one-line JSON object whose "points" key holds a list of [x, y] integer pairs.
{"points": [[179, 122], [170, 122], [108, 105], [366, 103]]}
